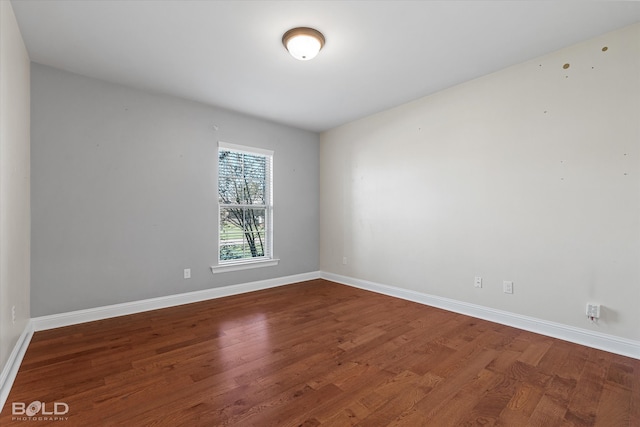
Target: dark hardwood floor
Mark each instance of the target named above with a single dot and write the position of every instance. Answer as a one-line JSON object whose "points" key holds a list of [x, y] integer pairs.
{"points": [[319, 354]]}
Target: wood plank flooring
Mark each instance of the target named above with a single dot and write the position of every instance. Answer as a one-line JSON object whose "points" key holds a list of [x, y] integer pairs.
{"points": [[319, 354]]}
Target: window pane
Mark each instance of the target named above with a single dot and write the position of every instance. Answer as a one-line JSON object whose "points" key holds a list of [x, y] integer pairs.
{"points": [[244, 196], [242, 233], [255, 231], [254, 179], [229, 175], [231, 234], [242, 178]]}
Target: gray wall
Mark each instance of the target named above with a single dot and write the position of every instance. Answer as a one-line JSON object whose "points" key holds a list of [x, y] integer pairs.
{"points": [[124, 197]]}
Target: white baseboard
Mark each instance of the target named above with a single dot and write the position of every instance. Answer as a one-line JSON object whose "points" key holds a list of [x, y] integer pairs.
{"points": [[585, 337], [600, 341], [10, 369], [98, 313]]}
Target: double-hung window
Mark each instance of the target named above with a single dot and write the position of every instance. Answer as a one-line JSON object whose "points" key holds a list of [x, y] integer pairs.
{"points": [[245, 200]]}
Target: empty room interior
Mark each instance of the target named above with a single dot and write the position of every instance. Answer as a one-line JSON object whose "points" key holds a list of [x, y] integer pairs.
{"points": [[431, 217]]}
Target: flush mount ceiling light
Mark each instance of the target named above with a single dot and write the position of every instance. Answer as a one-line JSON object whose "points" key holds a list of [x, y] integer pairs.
{"points": [[303, 43]]}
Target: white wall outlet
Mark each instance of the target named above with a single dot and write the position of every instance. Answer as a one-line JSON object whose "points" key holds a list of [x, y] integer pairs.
{"points": [[187, 273], [13, 314], [344, 260], [507, 287], [477, 282], [593, 311]]}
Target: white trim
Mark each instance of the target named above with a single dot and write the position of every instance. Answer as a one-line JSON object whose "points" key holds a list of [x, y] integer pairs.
{"points": [[268, 206], [98, 313], [597, 340], [245, 149], [11, 367], [244, 265], [613, 344], [610, 343]]}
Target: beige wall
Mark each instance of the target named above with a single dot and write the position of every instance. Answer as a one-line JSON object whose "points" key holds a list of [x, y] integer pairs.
{"points": [[15, 216], [530, 174]]}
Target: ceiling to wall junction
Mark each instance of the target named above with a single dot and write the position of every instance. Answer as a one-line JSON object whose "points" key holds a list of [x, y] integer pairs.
{"points": [[378, 54]]}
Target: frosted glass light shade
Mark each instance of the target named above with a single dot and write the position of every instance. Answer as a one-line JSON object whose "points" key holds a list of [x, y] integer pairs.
{"points": [[303, 43]]}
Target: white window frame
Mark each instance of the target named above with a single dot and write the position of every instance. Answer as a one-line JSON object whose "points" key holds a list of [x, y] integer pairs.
{"points": [[247, 263]]}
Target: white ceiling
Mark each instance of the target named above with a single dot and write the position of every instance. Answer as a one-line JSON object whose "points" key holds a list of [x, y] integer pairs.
{"points": [[378, 54]]}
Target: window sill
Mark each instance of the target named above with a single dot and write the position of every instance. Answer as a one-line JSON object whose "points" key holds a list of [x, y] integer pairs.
{"points": [[243, 265]]}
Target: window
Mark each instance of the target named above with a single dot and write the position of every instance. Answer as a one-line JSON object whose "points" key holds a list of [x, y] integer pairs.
{"points": [[244, 195]]}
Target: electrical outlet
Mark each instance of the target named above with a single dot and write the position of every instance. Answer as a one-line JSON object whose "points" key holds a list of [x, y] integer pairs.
{"points": [[344, 260], [593, 311], [477, 282], [187, 273], [507, 287], [13, 314]]}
